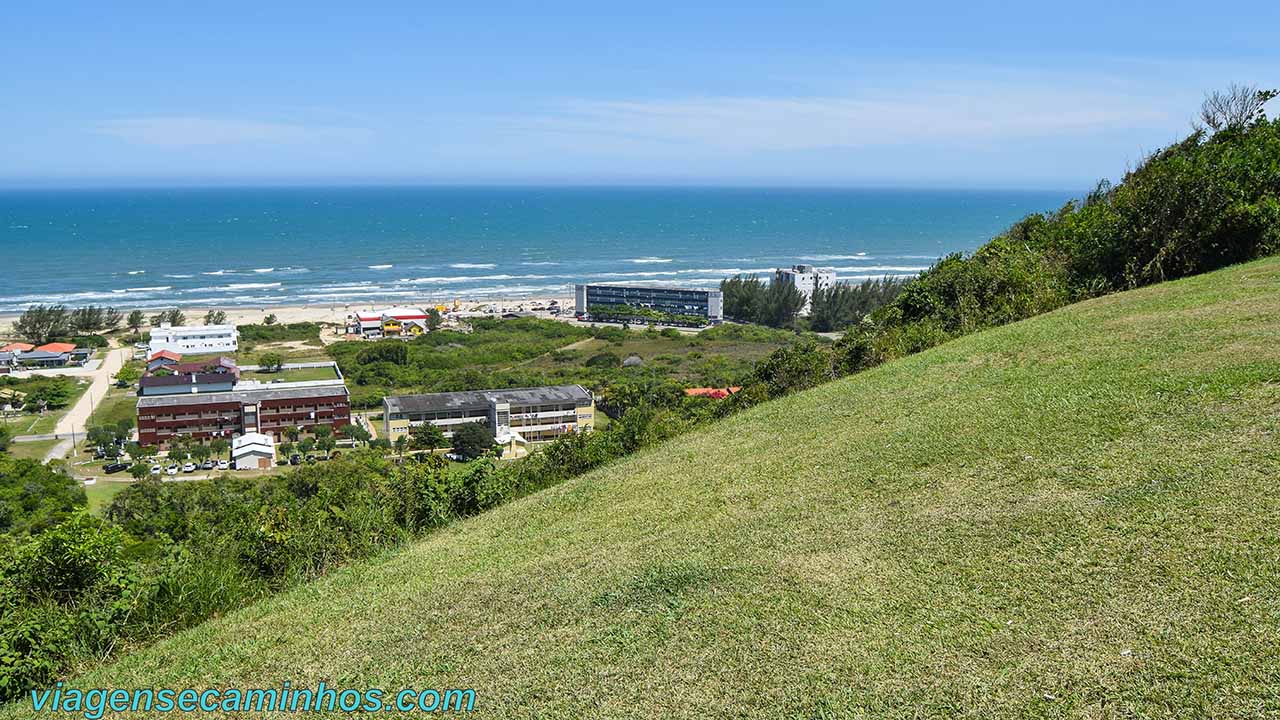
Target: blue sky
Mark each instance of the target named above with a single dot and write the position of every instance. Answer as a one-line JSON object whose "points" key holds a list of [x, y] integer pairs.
{"points": [[973, 94]]}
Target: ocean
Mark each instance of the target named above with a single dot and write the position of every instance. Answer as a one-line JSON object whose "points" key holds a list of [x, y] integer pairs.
{"points": [[357, 247]]}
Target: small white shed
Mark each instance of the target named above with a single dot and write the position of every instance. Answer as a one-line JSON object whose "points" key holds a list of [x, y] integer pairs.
{"points": [[253, 451]]}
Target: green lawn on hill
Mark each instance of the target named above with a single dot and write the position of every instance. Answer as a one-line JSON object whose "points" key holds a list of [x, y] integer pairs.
{"points": [[1074, 515]]}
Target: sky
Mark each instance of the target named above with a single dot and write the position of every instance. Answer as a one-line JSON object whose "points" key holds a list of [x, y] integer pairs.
{"points": [[973, 94]]}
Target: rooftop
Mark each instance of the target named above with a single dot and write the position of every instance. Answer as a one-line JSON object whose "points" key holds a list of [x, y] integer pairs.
{"points": [[249, 391], [56, 347], [476, 399]]}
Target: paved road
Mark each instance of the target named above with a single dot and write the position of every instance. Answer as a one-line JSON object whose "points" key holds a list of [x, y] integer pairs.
{"points": [[74, 421]]}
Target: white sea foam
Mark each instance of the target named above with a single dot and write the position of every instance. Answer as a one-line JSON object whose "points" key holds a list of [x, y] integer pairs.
{"points": [[179, 276], [881, 268], [264, 270], [540, 263], [217, 272], [135, 272], [388, 266], [650, 260], [473, 266], [828, 258]]}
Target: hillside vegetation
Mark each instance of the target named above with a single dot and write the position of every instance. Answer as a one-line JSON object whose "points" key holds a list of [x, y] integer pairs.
{"points": [[1070, 515]]}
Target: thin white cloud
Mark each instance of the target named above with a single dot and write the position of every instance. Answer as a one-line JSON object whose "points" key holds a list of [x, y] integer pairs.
{"points": [[807, 123], [178, 131]]}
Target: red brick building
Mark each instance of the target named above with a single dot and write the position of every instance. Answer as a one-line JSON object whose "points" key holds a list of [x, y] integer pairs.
{"points": [[269, 408]]}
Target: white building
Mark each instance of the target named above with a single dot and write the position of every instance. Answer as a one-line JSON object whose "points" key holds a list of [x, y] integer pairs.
{"points": [[194, 339], [808, 280], [253, 451]]}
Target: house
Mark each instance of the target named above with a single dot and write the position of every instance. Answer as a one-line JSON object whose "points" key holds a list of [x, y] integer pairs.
{"points": [[164, 358], [391, 322], [185, 383], [17, 347], [220, 365], [253, 451], [44, 359], [57, 348], [194, 339], [8, 360]]}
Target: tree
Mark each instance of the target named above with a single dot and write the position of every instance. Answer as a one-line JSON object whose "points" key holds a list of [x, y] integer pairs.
{"points": [[271, 361], [306, 446], [322, 431], [200, 452], [781, 304], [1234, 108], [111, 319], [286, 449], [41, 323], [215, 317], [433, 319], [174, 317], [355, 433], [327, 444], [87, 319], [293, 433], [269, 320], [472, 440], [6, 436], [139, 471], [129, 374], [427, 437], [402, 444], [219, 446], [136, 320]]}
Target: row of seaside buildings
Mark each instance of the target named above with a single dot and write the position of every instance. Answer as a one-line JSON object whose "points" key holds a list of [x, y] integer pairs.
{"points": [[209, 396], [212, 397]]}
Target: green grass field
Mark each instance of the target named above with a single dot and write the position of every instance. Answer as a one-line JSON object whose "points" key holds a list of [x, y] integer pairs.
{"points": [[101, 492], [1072, 516], [34, 450], [292, 375], [43, 424]]}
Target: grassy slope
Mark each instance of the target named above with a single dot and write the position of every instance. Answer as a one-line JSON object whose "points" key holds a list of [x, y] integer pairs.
{"points": [[1074, 515]]}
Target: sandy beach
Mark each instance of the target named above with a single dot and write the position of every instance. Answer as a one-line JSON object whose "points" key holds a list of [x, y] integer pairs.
{"points": [[335, 314]]}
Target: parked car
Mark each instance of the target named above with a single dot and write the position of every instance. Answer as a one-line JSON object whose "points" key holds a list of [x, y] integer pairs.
{"points": [[171, 470], [189, 467], [311, 459], [454, 457], [207, 465], [111, 468], [156, 470], [224, 465], [295, 459]]}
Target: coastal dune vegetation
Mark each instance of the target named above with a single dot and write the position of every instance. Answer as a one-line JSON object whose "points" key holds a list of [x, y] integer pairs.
{"points": [[1038, 519]]}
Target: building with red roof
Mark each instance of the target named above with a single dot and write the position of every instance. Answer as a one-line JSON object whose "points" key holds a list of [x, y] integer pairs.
{"points": [[713, 393], [56, 347], [18, 347]]}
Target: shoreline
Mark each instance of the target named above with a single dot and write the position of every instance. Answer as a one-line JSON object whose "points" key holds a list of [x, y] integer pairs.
{"points": [[330, 313]]}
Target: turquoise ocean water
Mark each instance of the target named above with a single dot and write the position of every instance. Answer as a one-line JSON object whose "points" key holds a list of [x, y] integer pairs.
{"points": [[364, 246]]}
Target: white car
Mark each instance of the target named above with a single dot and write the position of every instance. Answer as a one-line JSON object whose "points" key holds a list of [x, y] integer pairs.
{"points": [[224, 465], [156, 470], [189, 467], [171, 470]]}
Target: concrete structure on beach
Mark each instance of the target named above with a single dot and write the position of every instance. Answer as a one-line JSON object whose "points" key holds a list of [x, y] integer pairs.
{"points": [[194, 339], [808, 280], [641, 303]]}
